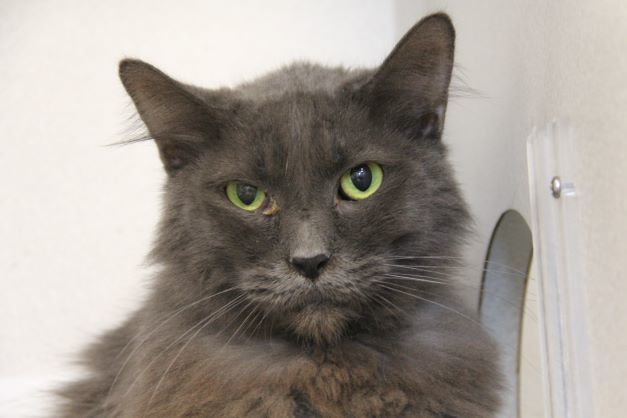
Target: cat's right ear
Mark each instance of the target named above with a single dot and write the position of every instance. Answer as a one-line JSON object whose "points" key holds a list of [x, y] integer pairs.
{"points": [[181, 123]]}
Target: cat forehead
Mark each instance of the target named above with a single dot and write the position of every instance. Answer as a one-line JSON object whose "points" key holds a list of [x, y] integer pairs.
{"points": [[312, 126], [300, 123], [302, 133]]}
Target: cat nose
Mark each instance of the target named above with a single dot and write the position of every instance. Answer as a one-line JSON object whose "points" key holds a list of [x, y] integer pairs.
{"points": [[310, 267]]}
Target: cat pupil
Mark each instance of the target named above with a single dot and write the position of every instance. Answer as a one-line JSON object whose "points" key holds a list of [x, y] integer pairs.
{"points": [[361, 176], [246, 193]]}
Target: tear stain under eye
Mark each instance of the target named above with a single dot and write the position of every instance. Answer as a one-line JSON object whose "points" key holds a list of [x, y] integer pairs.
{"points": [[272, 209]]}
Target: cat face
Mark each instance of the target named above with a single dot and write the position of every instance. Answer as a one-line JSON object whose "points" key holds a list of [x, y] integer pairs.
{"points": [[256, 199]]}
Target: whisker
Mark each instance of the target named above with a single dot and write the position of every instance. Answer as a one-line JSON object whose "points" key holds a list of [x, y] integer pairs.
{"points": [[139, 335], [526, 310], [435, 267], [252, 321], [458, 258], [432, 302], [155, 329], [388, 305], [419, 268], [479, 324], [263, 317], [218, 312], [154, 392], [418, 278], [426, 256], [241, 325], [433, 270]]}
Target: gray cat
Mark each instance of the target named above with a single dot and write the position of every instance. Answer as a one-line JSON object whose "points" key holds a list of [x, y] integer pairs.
{"points": [[310, 222]]}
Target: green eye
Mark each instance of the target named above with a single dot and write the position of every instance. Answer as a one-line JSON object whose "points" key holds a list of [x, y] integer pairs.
{"points": [[245, 196], [361, 182]]}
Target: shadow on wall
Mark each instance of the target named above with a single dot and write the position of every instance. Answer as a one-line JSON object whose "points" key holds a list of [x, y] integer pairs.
{"points": [[503, 292]]}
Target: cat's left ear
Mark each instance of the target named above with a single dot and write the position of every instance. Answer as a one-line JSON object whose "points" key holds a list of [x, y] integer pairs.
{"points": [[410, 89]]}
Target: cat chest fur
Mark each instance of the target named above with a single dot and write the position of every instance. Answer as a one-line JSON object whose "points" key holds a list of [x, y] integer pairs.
{"points": [[274, 380]]}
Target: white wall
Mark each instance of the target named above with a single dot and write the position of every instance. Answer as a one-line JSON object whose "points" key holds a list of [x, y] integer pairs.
{"points": [[77, 217]]}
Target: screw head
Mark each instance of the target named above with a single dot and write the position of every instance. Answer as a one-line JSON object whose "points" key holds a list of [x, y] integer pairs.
{"points": [[556, 187]]}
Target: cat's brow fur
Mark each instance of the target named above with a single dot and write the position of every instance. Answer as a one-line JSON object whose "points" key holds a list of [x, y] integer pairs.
{"points": [[354, 343]]}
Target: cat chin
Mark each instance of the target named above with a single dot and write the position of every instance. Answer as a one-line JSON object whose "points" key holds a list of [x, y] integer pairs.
{"points": [[320, 323]]}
